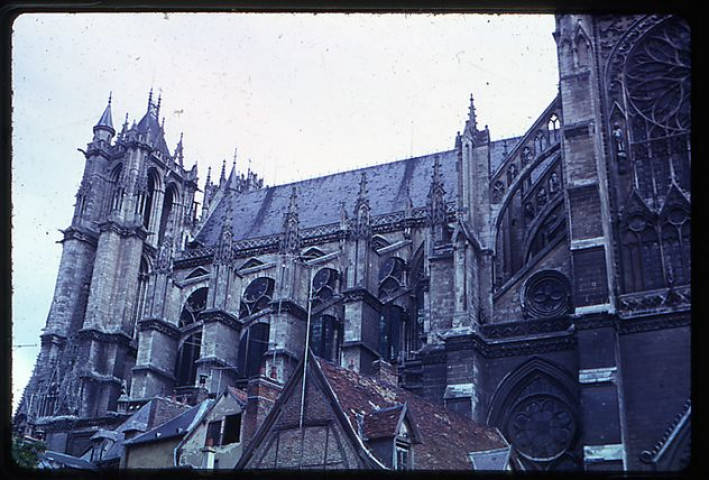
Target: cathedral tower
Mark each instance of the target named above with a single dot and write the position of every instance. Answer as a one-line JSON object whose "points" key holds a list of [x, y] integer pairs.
{"points": [[133, 195]]}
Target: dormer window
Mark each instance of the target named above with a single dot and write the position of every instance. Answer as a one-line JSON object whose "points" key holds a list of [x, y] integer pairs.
{"points": [[224, 432], [404, 454]]}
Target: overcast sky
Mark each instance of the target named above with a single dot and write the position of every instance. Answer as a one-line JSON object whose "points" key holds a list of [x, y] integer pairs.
{"points": [[299, 95]]}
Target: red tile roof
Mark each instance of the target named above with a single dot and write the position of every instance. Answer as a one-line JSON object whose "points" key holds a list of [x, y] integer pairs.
{"points": [[382, 423], [446, 437]]}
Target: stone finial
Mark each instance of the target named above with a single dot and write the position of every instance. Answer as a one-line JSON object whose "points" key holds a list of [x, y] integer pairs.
{"points": [[437, 207], [179, 151], [222, 176], [472, 118], [363, 194], [362, 220], [291, 224]]}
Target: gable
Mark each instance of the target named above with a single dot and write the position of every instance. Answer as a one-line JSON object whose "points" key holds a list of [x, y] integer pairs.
{"points": [[316, 437]]}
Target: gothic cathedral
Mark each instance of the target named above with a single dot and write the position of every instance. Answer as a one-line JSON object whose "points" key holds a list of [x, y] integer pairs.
{"points": [[538, 284]]}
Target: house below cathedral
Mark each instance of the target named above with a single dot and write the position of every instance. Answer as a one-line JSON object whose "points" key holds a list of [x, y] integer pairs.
{"points": [[535, 289]]}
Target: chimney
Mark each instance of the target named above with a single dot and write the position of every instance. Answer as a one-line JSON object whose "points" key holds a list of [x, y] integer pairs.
{"points": [[262, 394], [385, 373]]}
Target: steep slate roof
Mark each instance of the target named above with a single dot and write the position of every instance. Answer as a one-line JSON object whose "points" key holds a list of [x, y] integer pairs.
{"points": [[177, 427], [446, 437], [156, 412], [47, 458], [261, 213], [106, 121]]}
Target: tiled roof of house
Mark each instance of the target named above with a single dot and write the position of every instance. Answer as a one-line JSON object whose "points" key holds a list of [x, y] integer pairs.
{"points": [[239, 395], [382, 422], [260, 213], [446, 437]]}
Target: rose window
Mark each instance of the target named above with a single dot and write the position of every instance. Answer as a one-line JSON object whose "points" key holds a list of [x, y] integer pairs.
{"points": [[541, 428], [658, 76], [547, 295]]}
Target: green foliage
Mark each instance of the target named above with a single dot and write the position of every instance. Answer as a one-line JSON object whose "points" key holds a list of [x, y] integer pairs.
{"points": [[26, 452]]}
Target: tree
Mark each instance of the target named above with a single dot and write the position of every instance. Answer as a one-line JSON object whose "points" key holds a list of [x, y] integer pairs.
{"points": [[26, 452]]}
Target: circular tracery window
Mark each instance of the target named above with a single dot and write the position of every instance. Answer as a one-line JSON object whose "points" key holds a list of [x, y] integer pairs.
{"points": [[658, 76], [547, 294], [256, 297], [541, 428]]}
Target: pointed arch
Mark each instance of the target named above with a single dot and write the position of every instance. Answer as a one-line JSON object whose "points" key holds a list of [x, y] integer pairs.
{"points": [[392, 272], [515, 384], [554, 126], [197, 272], [251, 263], [170, 200], [325, 286], [117, 191], [141, 294], [154, 184], [312, 253], [536, 409], [583, 47]]}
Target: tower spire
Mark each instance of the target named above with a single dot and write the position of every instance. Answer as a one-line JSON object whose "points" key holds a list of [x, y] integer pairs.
{"points": [[222, 177], [234, 161], [472, 124], [106, 121]]}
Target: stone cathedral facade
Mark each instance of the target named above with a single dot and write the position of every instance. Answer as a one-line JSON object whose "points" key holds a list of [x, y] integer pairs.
{"points": [[538, 284]]}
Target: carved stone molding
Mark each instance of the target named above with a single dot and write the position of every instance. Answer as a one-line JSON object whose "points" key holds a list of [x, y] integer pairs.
{"points": [[358, 294], [655, 301], [289, 307], [155, 370], [652, 323], [222, 317], [159, 325], [81, 234], [124, 230], [119, 338], [527, 327]]}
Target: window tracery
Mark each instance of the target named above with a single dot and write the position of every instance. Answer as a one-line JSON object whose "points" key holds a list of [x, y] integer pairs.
{"points": [[256, 297], [547, 294], [324, 286], [190, 347], [391, 276], [655, 75]]}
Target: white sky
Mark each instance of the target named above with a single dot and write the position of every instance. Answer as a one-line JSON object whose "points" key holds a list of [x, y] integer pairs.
{"points": [[301, 95]]}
